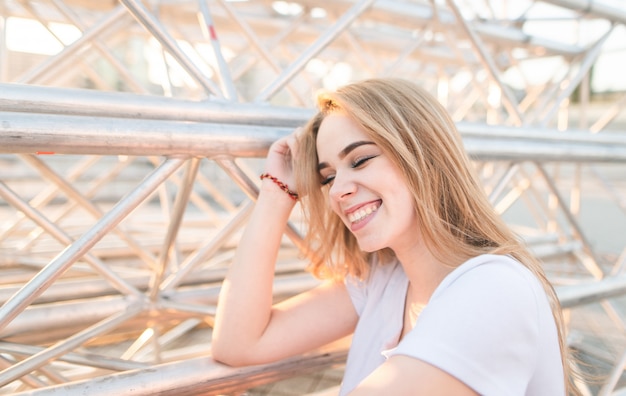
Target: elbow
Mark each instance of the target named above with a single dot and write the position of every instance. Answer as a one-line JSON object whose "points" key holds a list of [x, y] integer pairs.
{"points": [[227, 359], [220, 354], [229, 354], [231, 359]]}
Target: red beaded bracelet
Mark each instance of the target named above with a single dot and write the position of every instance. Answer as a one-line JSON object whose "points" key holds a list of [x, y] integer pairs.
{"points": [[293, 195]]}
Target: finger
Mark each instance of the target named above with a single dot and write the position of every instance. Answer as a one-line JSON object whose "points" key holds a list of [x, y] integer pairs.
{"points": [[280, 146], [292, 142]]}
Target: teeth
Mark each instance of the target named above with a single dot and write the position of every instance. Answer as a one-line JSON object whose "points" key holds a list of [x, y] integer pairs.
{"points": [[362, 213]]}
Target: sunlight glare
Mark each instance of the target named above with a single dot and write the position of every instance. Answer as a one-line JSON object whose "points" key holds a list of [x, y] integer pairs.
{"points": [[30, 36]]}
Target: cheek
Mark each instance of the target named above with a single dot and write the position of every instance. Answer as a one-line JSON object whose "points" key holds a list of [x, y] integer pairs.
{"points": [[331, 204], [334, 207], [403, 203]]}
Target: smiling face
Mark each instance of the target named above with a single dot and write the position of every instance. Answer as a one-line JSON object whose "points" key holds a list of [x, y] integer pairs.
{"points": [[365, 188]]}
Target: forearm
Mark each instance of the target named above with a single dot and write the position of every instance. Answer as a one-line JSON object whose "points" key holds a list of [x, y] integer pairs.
{"points": [[245, 302]]}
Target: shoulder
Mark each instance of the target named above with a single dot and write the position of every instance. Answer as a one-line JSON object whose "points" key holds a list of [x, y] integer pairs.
{"points": [[490, 264], [485, 325], [488, 276], [489, 305]]}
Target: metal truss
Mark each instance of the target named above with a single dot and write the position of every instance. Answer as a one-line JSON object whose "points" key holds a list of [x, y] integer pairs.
{"points": [[129, 162]]}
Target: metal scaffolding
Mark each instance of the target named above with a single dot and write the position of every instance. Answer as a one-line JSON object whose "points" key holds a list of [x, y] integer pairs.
{"points": [[131, 139]]}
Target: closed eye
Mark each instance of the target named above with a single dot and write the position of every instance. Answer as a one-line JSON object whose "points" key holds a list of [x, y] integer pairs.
{"points": [[357, 163], [327, 180], [362, 160]]}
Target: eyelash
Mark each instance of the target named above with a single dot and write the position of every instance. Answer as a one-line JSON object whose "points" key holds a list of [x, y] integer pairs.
{"points": [[361, 160], [357, 163]]}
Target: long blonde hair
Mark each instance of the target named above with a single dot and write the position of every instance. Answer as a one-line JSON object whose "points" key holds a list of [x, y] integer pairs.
{"points": [[417, 134]]}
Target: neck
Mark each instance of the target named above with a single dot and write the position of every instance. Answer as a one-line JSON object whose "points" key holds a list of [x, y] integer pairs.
{"points": [[424, 272]]}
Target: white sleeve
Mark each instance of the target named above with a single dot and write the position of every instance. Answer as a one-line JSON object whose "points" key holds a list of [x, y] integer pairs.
{"points": [[482, 328], [357, 289]]}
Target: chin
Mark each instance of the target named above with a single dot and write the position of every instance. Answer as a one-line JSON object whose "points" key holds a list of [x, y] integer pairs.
{"points": [[370, 246]]}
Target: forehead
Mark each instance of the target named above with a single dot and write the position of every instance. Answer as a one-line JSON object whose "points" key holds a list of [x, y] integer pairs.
{"points": [[337, 131]]}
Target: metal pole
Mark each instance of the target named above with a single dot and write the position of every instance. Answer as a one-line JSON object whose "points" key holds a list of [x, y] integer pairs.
{"points": [[86, 204], [54, 62], [591, 291], [508, 99], [40, 358], [208, 249], [67, 101], [32, 133], [195, 376], [45, 196], [148, 21], [102, 48], [325, 39], [40, 282], [50, 227], [53, 191], [182, 199], [256, 43], [29, 379], [595, 270], [63, 317], [585, 66], [595, 8], [103, 362], [609, 115], [503, 182], [208, 28]]}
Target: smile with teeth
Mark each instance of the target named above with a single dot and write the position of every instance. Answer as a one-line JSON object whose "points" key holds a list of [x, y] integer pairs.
{"points": [[363, 212]]}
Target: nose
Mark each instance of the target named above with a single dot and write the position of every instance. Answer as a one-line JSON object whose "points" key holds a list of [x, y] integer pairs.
{"points": [[343, 186]]}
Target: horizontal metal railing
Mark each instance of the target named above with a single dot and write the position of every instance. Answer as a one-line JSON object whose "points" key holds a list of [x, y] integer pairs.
{"points": [[98, 123]]}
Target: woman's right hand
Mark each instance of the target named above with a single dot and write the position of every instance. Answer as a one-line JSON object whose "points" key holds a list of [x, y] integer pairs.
{"points": [[280, 158]]}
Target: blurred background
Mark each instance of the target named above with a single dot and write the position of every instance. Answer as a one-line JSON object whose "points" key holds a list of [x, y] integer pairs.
{"points": [[132, 134]]}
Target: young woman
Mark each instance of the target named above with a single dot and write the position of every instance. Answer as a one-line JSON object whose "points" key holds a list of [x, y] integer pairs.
{"points": [[440, 296]]}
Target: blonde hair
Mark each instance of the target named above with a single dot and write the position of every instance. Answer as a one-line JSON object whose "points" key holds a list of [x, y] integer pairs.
{"points": [[417, 134]]}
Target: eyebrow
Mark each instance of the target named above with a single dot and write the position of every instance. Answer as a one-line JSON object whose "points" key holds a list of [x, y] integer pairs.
{"points": [[346, 150]]}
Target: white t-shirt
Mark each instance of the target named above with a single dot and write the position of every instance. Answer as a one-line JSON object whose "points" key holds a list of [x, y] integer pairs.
{"points": [[488, 323]]}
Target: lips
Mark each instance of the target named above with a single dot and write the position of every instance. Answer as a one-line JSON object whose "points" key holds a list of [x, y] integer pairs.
{"points": [[361, 213]]}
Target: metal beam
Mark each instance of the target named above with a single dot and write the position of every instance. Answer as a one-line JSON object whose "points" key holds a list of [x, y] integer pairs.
{"points": [[594, 8], [194, 376], [33, 133], [71, 101]]}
